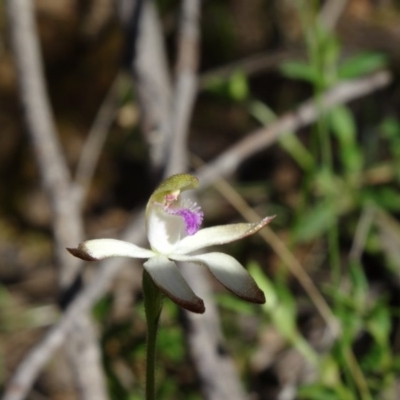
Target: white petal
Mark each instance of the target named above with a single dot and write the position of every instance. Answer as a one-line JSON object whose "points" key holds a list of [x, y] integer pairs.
{"points": [[163, 230], [230, 273], [219, 235], [97, 249], [168, 278]]}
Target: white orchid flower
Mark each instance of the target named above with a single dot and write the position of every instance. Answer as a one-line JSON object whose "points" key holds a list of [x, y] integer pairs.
{"points": [[173, 232]]}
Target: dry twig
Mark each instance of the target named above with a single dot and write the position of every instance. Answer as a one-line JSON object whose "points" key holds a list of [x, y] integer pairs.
{"points": [[185, 90], [97, 135], [148, 63], [82, 347], [331, 12], [40, 354], [307, 113], [252, 65]]}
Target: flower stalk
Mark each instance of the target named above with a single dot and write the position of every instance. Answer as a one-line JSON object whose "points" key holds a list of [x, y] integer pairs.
{"points": [[173, 232], [152, 307]]}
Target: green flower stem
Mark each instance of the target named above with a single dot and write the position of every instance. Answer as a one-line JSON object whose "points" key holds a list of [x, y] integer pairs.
{"points": [[152, 306]]}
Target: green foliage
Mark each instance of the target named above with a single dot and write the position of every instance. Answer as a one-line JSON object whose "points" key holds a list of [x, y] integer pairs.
{"points": [[358, 316], [290, 142], [300, 70], [231, 303], [336, 188], [316, 221], [344, 129], [390, 129], [320, 391], [238, 86], [234, 88], [361, 64], [125, 353], [281, 310], [385, 197], [334, 193]]}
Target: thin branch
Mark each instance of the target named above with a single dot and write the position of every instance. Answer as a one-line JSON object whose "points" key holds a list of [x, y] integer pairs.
{"points": [[41, 128], [331, 12], [223, 165], [306, 114], [186, 85], [97, 135], [217, 372], [252, 65], [38, 356], [149, 67], [67, 223]]}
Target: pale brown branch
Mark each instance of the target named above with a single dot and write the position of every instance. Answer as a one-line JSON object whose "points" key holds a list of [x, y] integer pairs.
{"points": [[39, 355], [307, 113], [331, 13], [67, 222], [149, 67], [251, 66], [42, 130], [217, 372], [94, 143], [185, 90]]}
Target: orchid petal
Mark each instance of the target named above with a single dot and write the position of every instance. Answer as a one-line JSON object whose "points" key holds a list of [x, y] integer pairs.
{"points": [[163, 230], [97, 249], [168, 278], [219, 235], [230, 273]]}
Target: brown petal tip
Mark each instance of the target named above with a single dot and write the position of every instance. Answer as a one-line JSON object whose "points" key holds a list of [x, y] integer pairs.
{"points": [[255, 296], [195, 306], [79, 253], [259, 298]]}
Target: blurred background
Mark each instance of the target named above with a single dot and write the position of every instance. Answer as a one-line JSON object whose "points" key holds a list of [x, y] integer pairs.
{"points": [[329, 263]]}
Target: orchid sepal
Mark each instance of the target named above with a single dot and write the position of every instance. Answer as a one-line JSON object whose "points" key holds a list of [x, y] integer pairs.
{"points": [[168, 278], [218, 235], [229, 272], [99, 249]]}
